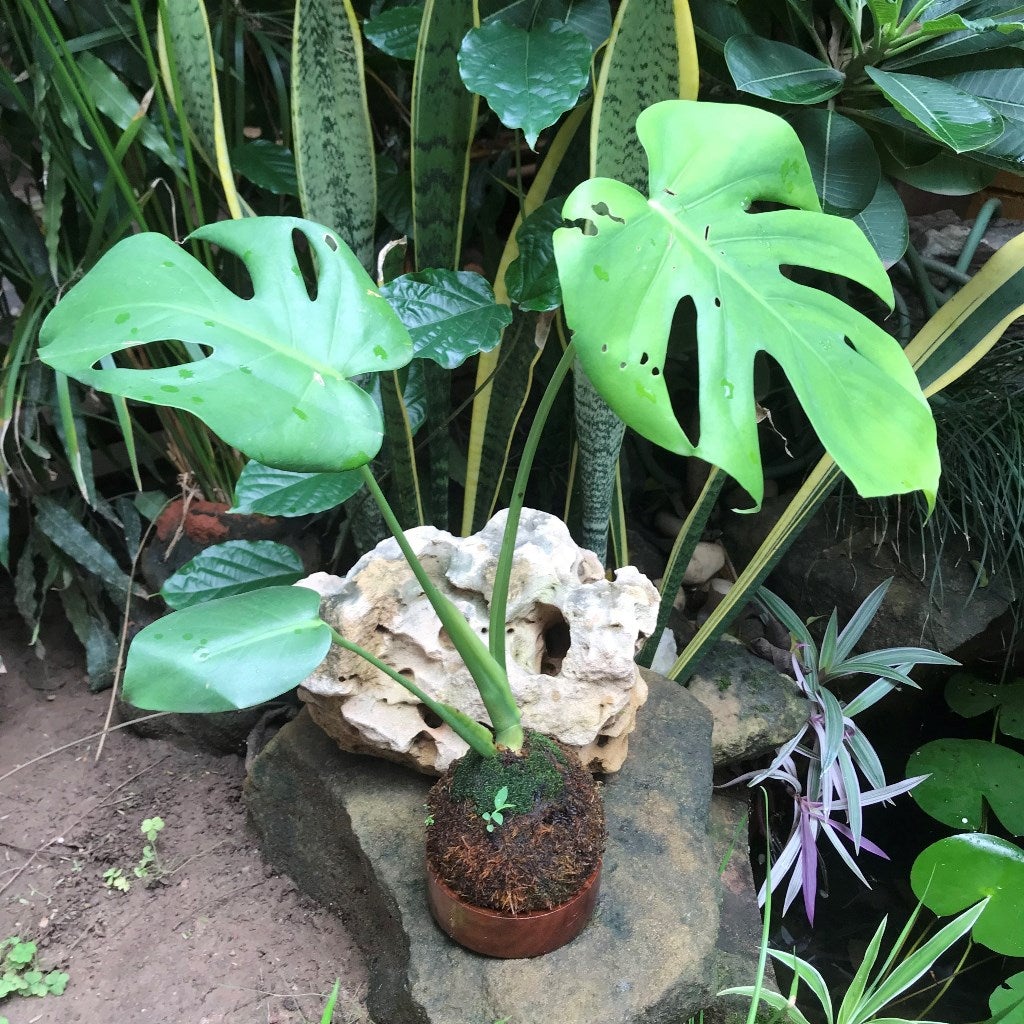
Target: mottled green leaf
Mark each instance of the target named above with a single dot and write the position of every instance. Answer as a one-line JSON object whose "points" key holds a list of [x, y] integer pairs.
{"points": [[278, 492], [529, 78], [532, 277], [234, 567], [778, 71]]}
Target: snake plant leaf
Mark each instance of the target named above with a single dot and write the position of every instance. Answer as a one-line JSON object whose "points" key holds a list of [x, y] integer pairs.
{"points": [[956, 118], [450, 314], [275, 382], [970, 696], [227, 654], [964, 776], [961, 870], [529, 78], [396, 31], [532, 277], [234, 567], [778, 71], [884, 223], [695, 237], [279, 492]]}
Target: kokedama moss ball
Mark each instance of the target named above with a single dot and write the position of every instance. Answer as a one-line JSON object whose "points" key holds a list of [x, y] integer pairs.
{"points": [[549, 842]]}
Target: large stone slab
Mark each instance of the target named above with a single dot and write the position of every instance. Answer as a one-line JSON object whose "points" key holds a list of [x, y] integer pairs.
{"points": [[349, 831]]}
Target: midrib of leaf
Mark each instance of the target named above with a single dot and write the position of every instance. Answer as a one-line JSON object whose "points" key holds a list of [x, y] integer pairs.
{"points": [[266, 633]]}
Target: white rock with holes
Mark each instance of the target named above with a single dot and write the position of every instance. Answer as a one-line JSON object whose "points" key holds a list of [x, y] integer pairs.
{"points": [[571, 636]]}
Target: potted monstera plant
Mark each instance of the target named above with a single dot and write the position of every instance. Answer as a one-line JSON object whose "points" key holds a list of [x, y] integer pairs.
{"points": [[273, 375]]}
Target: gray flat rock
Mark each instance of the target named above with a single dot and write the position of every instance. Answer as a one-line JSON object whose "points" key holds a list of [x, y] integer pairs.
{"points": [[349, 831]]}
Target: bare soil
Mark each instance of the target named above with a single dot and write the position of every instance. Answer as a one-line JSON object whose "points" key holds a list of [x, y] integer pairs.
{"points": [[219, 939]]}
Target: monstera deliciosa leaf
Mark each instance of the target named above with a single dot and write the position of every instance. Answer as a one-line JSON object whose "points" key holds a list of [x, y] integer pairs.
{"points": [[625, 272], [269, 374]]}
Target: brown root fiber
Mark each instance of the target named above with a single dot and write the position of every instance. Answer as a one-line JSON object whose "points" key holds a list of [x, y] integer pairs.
{"points": [[544, 850]]}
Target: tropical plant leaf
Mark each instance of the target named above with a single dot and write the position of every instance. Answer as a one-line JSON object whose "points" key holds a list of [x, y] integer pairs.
{"points": [[234, 567], [964, 774], [227, 654], [278, 492], [1009, 996], [969, 695], [278, 351], [620, 292], [267, 165], [780, 72], [884, 223], [529, 79], [593, 18], [450, 314], [396, 31], [955, 118], [532, 277], [842, 158], [960, 870]]}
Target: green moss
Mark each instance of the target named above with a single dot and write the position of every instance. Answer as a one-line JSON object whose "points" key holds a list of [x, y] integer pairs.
{"points": [[723, 684], [535, 776]]}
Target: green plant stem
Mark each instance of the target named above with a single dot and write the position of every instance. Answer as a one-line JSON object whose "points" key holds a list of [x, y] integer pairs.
{"points": [[949, 981], [488, 674], [503, 571]]}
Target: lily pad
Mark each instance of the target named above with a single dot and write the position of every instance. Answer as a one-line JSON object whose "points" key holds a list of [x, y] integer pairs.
{"points": [[969, 695], [955, 873], [1009, 996]]}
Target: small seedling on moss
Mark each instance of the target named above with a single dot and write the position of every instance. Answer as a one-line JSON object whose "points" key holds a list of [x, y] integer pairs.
{"points": [[19, 974], [501, 803]]}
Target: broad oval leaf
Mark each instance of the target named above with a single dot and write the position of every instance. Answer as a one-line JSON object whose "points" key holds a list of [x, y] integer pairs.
{"points": [[234, 567], [694, 237], [396, 31], [593, 18], [884, 223], [954, 117], [956, 872], [267, 165], [842, 158], [1009, 996], [963, 775], [778, 71], [450, 314], [279, 492], [532, 277], [227, 654], [275, 382], [529, 79], [969, 695]]}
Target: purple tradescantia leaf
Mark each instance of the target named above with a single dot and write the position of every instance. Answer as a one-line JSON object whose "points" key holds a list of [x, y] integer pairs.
{"points": [[809, 857], [830, 828], [865, 843]]}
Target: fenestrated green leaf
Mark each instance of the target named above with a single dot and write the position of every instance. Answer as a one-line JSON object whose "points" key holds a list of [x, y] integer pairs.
{"points": [[532, 277], [68, 534], [529, 78], [334, 147], [227, 654], [884, 223], [621, 286], [960, 870], [278, 492], [778, 71], [234, 567], [591, 17], [267, 165], [278, 352], [396, 31], [970, 696], [842, 159], [450, 314], [964, 774], [1009, 996], [954, 117]]}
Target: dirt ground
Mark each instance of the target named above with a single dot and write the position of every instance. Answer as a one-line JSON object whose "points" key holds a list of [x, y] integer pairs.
{"points": [[220, 939]]}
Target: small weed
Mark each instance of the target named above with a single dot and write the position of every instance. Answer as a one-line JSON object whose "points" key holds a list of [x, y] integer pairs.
{"points": [[501, 803], [21, 976], [150, 868], [114, 878]]}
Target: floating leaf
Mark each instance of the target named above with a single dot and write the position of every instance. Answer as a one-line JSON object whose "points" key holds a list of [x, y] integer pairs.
{"points": [[964, 774], [227, 654], [278, 492], [529, 78], [450, 314], [958, 871], [1010, 994], [970, 696], [778, 71], [234, 567], [279, 352], [694, 237]]}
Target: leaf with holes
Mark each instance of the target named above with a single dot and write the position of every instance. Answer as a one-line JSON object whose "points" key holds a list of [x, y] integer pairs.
{"points": [[269, 374], [958, 871], [623, 278], [227, 654], [964, 775], [970, 696], [234, 567]]}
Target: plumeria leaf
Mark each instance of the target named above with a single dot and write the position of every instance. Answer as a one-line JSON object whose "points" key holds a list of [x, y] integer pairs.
{"points": [[778, 71], [280, 352], [884, 223]]}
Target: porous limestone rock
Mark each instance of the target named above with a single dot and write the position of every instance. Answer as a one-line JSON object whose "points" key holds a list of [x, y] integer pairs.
{"points": [[571, 636]]}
